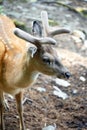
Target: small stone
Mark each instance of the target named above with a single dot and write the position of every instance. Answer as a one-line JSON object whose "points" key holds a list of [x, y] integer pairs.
{"points": [[41, 89], [61, 82], [82, 79], [79, 34], [10, 96], [74, 91], [57, 92], [50, 127], [84, 47]]}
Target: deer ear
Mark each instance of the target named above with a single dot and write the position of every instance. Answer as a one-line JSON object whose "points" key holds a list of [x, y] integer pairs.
{"points": [[37, 29], [32, 51]]}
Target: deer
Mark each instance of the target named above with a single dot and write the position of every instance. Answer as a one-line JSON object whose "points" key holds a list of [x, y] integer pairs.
{"points": [[23, 57]]}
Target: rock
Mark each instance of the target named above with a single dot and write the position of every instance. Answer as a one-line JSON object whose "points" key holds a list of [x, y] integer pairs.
{"points": [[84, 47], [61, 82], [41, 89], [57, 92], [74, 91], [82, 79], [79, 34], [76, 39], [50, 127], [11, 97]]}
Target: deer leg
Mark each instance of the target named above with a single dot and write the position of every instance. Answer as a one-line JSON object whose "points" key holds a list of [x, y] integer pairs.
{"points": [[20, 109], [1, 110]]}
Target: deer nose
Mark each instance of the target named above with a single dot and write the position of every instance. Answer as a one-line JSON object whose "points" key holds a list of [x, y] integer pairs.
{"points": [[67, 74]]}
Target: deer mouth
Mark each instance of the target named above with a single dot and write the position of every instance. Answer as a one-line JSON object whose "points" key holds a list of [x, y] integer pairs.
{"points": [[66, 75]]}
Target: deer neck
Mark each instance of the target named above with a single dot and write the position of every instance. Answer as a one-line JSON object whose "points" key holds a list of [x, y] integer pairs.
{"points": [[29, 74]]}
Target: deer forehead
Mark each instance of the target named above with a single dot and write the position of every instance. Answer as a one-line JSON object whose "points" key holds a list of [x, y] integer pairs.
{"points": [[50, 52], [49, 55]]}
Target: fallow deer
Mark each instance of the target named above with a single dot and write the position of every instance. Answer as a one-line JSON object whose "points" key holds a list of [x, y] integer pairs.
{"points": [[21, 61]]}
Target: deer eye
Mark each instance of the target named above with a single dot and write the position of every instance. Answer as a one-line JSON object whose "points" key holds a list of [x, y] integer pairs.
{"points": [[46, 60]]}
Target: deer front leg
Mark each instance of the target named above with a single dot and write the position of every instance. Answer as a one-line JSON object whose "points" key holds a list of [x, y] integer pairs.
{"points": [[19, 98], [1, 110]]}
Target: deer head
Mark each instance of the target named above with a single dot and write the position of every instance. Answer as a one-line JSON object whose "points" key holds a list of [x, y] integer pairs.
{"points": [[44, 56]]}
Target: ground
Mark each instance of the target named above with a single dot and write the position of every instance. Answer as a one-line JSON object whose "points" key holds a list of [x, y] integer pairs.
{"points": [[44, 107]]}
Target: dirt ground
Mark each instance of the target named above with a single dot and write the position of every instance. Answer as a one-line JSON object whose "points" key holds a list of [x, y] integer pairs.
{"points": [[44, 107]]}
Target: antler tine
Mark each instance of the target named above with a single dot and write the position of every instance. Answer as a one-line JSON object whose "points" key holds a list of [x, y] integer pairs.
{"points": [[24, 35], [45, 23], [58, 31], [46, 27], [34, 40]]}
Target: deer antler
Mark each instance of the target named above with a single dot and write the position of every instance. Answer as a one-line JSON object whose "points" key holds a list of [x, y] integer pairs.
{"points": [[37, 41], [46, 27]]}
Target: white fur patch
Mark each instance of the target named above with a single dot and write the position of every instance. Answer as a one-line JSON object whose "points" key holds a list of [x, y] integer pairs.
{"points": [[35, 75]]}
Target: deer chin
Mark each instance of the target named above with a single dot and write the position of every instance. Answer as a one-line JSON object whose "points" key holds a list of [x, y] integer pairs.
{"points": [[61, 77]]}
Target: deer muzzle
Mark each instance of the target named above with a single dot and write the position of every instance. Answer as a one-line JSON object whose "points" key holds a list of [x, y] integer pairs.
{"points": [[67, 75]]}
